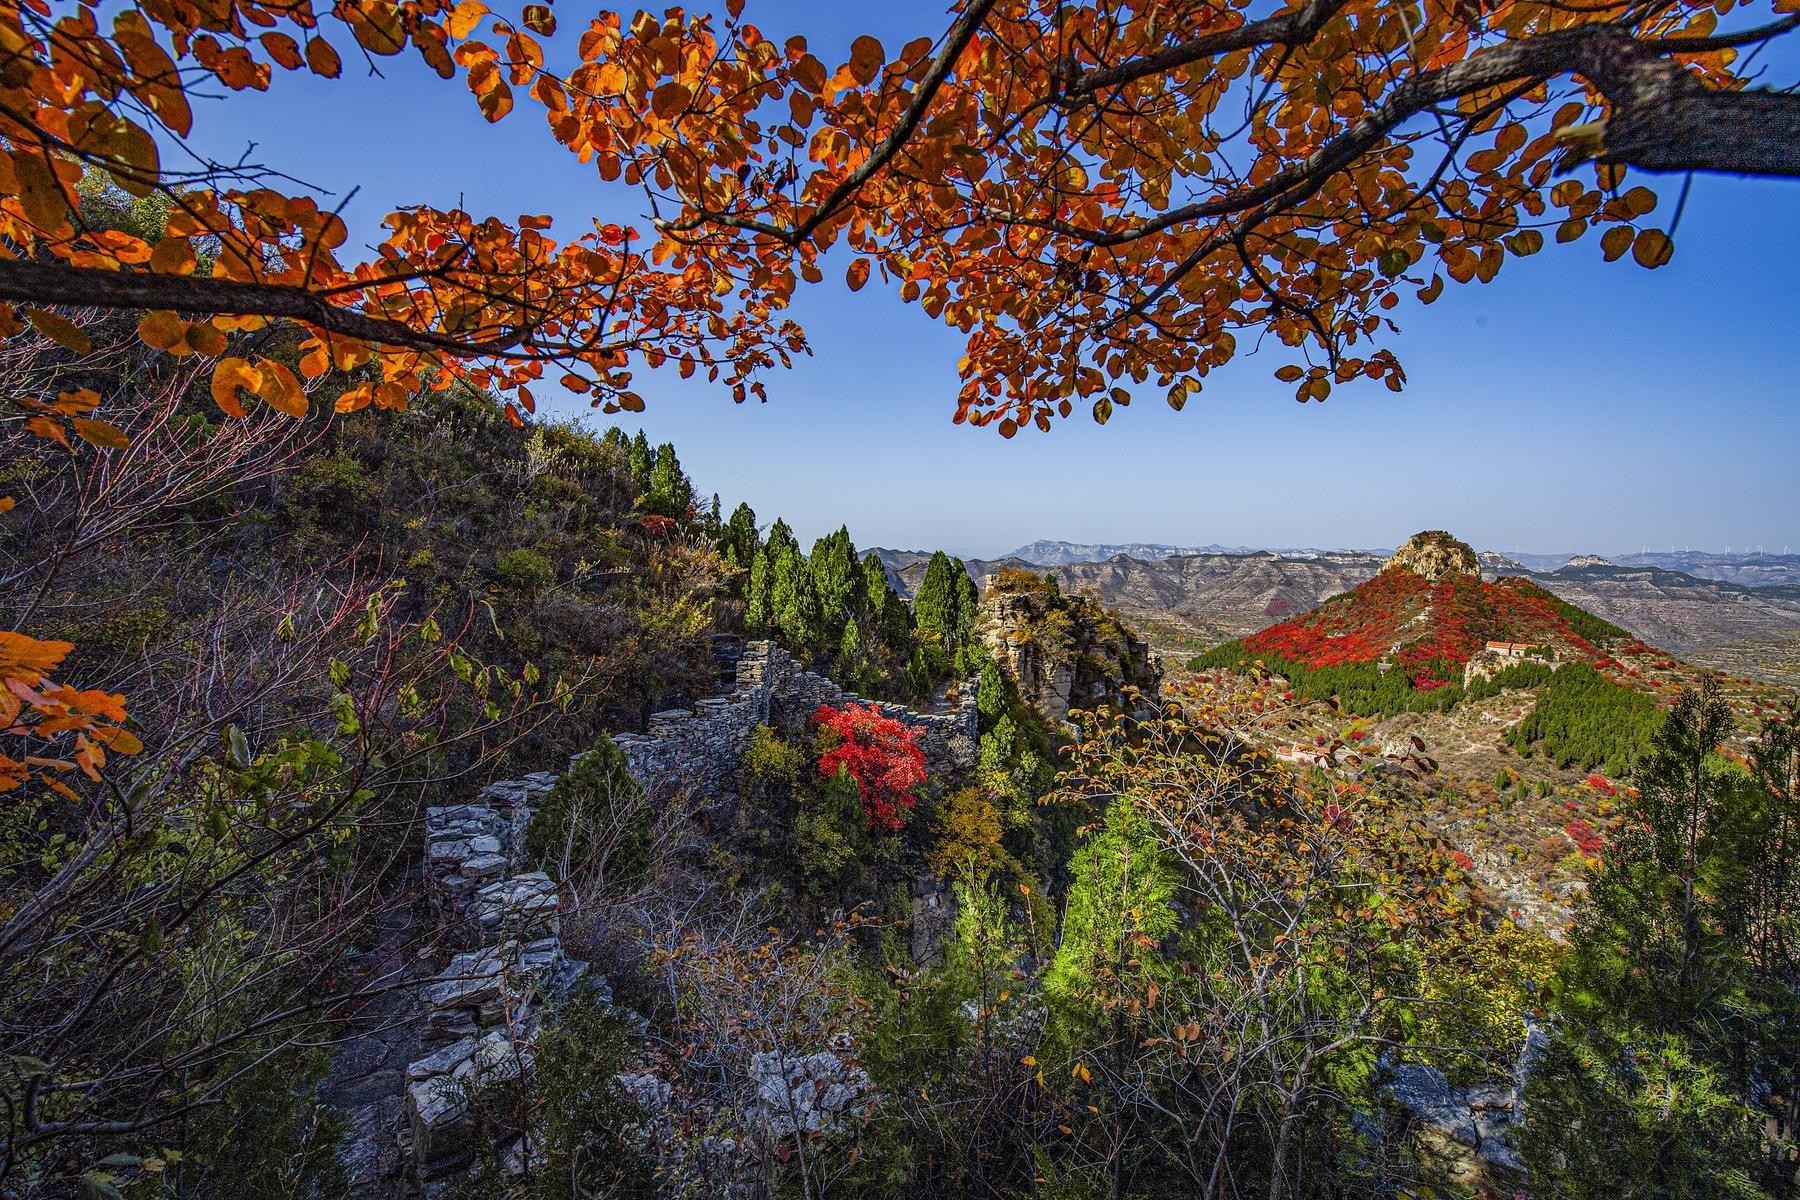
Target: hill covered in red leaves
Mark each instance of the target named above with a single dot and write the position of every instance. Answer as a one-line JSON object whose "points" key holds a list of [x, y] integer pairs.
{"points": [[1412, 629], [1430, 629]]}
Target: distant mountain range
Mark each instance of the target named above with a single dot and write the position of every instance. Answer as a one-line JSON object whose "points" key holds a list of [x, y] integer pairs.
{"points": [[1185, 603], [1750, 569]]}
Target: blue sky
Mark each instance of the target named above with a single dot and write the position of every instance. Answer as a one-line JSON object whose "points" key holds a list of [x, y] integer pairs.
{"points": [[1570, 405]]}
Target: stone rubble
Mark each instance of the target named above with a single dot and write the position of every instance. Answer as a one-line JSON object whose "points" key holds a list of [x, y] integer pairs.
{"points": [[482, 1010]]}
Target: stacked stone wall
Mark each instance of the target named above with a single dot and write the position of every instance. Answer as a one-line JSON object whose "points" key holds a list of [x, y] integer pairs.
{"points": [[480, 1014], [701, 748]]}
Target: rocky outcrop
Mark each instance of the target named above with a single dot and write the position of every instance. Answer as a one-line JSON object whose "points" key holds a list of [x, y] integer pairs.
{"points": [[1435, 555], [1470, 1128], [1062, 651]]}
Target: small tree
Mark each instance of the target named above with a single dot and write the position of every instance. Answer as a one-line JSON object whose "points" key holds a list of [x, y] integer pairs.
{"points": [[1672, 1060], [880, 753], [595, 820]]}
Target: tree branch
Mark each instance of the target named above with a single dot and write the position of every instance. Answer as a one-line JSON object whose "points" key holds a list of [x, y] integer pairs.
{"points": [[56, 283]]}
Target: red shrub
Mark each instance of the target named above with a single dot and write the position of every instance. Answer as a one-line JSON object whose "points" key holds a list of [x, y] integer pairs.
{"points": [[1601, 784], [1463, 861], [882, 755], [1586, 840]]}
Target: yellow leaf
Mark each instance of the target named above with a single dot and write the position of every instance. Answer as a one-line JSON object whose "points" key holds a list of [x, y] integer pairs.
{"points": [[280, 390], [172, 256], [163, 330], [228, 377], [60, 330], [100, 433], [465, 17]]}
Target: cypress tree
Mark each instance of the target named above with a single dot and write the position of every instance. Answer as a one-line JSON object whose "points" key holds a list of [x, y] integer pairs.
{"points": [[670, 492], [794, 605], [780, 539], [934, 607], [756, 595], [739, 536], [1120, 910], [968, 602], [639, 462], [850, 670], [992, 697], [835, 579]]}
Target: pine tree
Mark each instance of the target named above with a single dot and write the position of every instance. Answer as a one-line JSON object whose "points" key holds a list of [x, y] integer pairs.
{"points": [[639, 461], [793, 604], [738, 541]]}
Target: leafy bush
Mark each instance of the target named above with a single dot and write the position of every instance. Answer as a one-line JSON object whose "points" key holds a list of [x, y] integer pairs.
{"points": [[880, 753], [596, 817], [525, 571]]}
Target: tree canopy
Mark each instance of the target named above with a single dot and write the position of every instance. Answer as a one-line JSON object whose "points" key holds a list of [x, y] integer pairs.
{"points": [[1100, 194]]}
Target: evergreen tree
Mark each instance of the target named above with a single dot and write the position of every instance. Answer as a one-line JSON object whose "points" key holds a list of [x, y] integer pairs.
{"points": [[835, 580], [888, 615], [1675, 1036], [851, 667], [757, 595], [1120, 909], [968, 602], [670, 493], [793, 603], [738, 541], [639, 461], [935, 612], [993, 692], [781, 539]]}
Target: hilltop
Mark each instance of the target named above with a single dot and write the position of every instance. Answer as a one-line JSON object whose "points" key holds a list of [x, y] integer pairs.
{"points": [[1426, 616]]}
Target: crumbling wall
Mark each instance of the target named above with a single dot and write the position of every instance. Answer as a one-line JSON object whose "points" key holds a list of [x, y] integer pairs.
{"points": [[702, 747]]}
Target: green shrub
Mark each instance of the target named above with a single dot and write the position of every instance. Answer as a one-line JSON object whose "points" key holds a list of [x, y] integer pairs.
{"points": [[596, 816], [770, 760], [525, 570], [589, 1120]]}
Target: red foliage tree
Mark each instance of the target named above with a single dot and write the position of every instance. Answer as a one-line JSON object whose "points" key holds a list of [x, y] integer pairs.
{"points": [[881, 754]]}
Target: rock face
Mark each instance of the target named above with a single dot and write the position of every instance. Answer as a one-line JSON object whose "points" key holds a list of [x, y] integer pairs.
{"points": [[1435, 555], [1470, 1129], [1062, 651]]}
